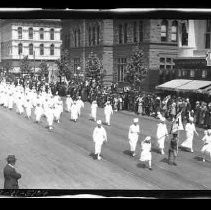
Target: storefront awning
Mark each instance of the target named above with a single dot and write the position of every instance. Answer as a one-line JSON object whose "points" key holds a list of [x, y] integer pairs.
{"points": [[185, 85]]}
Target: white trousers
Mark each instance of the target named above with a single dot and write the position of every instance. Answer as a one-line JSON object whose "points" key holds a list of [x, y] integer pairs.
{"points": [[108, 119], [133, 143], [98, 146]]}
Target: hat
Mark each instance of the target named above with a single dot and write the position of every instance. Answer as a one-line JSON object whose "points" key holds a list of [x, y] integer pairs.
{"points": [[11, 158], [163, 119], [209, 131], [147, 139], [135, 120], [175, 134], [99, 122], [191, 119], [68, 95], [108, 102]]}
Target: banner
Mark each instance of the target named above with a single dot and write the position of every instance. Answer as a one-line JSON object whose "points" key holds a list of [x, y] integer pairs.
{"points": [[177, 124]]}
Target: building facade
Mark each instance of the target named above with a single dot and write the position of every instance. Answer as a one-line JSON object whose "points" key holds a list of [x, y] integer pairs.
{"points": [[193, 61], [39, 39], [114, 41]]}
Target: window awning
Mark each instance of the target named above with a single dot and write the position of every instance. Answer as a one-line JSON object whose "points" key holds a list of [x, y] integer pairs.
{"points": [[186, 85]]}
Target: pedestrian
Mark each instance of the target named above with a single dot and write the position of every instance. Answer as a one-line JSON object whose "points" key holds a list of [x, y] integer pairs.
{"points": [[28, 107], [206, 148], [190, 130], [146, 155], [99, 137], [11, 177], [38, 112], [173, 148], [50, 116], [74, 111], [94, 110], [80, 104], [108, 111], [133, 135], [68, 102], [161, 134]]}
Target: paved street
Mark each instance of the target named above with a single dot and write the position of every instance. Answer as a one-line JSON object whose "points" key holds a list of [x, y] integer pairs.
{"points": [[62, 159]]}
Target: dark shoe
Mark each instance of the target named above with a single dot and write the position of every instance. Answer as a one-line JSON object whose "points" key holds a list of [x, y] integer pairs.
{"points": [[174, 164], [150, 169]]}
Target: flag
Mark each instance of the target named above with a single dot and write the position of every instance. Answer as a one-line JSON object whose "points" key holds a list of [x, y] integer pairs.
{"points": [[177, 124]]}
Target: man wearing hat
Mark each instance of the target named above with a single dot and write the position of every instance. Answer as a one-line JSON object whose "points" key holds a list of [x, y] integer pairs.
{"points": [[94, 110], [80, 104], [108, 111], [99, 137], [10, 175], [69, 102], [133, 134], [173, 148], [161, 134], [190, 130]]}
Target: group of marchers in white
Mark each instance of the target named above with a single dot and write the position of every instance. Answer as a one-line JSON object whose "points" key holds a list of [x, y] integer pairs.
{"points": [[51, 107]]}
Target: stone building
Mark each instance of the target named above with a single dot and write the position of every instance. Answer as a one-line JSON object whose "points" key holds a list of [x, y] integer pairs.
{"points": [[39, 39], [114, 41]]}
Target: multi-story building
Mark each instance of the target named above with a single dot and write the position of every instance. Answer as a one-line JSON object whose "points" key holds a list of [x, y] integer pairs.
{"points": [[114, 41], [39, 39], [193, 61]]}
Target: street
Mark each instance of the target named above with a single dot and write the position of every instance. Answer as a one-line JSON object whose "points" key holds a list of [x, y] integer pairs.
{"points": [[62, 159]]}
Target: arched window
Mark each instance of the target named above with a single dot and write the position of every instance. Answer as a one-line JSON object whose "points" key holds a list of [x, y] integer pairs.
{"points": [[41, 33], [52, 34], [30, 49], [164, 28], [30, 33], [41, 49], [20, 33], [184, 35], [98, 35], [93, 35], [120, 33], [20, 48], [52, 49], [174, 31], [79, 36], [75, 38], [90, 36]]}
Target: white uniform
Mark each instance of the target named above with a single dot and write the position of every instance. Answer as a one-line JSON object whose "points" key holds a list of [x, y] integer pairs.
{"points": [[99, 136], [190, 129], [133, 136], [161, 134], [20, 104], [145, 151], [69, 102], [80, 104], [108, 111], [11, 100], [74, 112], [50, 116], [28, 107], [38, 112], [94, 111]]}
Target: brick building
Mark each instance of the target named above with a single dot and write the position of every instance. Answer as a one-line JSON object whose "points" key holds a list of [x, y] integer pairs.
{"points": [[114, 40]]}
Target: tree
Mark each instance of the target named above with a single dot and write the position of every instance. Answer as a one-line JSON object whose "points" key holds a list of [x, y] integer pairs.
{"points": [[63, 65], [43, 69], [7, 66], [25, 66], [94, 67], [136, 69]]}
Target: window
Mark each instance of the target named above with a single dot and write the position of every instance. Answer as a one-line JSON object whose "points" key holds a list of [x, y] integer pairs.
{"points": [[204, 74], [174, 31], [166, 63], [192, 73], [52, 49], [41, 49], [207, 35], [168, 66], [164, 28], [98, 35], [168, 60], [90, 36], [120, 34], [93, 36], [20, 49], [79, 37], [184, 73], [41, 33], [20, 31], [125, 33], [140, 31], [31, 49], [76, 64], [162, 66], [162, 60], [184, 35], [179, 73], [30, 33], [75, 38], [121, 64], [52, 34], [134, 32]]}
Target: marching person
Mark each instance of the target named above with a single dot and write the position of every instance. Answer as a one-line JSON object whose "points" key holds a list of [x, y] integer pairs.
{"points": [[11, 101], [146, 151], [74, 112], [28, 107], [80, 104], [206, 149], [94, 110], [190, 130], [133, 135], [50, 116], [161, 134], [173, 148], [99, 137], [108, 111], [38, 112], [11, 177], [68, 102], [20, 104]]}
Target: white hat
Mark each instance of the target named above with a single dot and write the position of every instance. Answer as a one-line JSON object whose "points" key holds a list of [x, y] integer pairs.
{"points": [[135, 120], [148, 138], [99, 122], [209, 131], [191, 119], [163, 119]]}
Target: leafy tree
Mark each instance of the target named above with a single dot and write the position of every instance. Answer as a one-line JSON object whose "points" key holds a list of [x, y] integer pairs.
{"points": [[63, 65], [25, 66], [136, 69], [94, 67], [7, 66], [43, 69]]}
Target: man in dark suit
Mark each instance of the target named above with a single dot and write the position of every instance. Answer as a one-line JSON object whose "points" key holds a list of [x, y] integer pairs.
{"points": [[10, 175]]}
